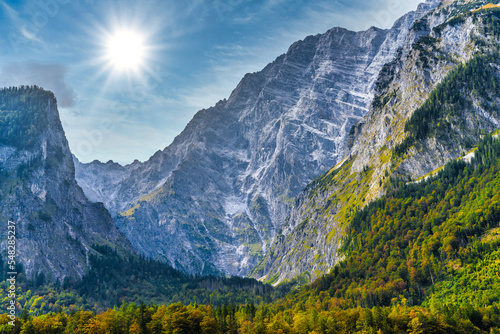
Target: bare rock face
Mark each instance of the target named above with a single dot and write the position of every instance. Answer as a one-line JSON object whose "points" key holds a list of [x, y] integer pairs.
{"points": [[56, 225], [440, 42], [214, 199]]}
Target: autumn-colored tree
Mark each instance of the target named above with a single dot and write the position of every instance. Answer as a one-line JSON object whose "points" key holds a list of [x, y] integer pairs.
{"points": [[135, 328], [48, 324], [209, 325], [278, 325]]}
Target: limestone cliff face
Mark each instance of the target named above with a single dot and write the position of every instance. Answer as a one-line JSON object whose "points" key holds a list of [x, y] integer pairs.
{"points": [[56, 225], [439, 44], [215, 198]]}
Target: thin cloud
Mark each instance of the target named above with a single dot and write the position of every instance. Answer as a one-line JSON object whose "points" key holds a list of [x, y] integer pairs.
{"points": [[49, 76], [19, 24], [29, 35], [10, 12]]}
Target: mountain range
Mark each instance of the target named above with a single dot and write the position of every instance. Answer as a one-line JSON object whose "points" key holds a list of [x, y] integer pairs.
{"points": [[433, 104]]}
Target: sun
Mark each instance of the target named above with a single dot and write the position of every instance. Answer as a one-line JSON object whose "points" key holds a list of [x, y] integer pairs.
{"points": [[125, 50]]}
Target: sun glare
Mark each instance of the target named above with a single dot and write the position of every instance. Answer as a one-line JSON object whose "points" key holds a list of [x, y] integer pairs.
{"points": [[125, 50]]}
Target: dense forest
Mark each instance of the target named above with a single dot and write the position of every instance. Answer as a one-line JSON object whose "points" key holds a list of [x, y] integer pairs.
{"points": [[310, 318], [116, 279], [421, 233]]}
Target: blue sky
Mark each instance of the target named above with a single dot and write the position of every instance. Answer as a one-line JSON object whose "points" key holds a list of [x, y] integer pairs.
{"points": [[194, 54]]}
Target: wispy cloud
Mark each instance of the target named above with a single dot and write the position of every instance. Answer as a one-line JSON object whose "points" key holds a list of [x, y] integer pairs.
{"points": [[11, 13], [19, 24], [30, 35]]}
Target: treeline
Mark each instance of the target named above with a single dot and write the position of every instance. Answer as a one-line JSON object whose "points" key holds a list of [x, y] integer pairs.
{"points": [[116, 278], [23, 114], [247, 319]]}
